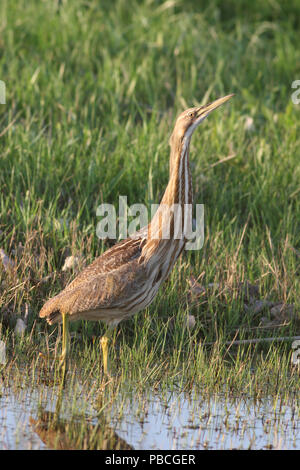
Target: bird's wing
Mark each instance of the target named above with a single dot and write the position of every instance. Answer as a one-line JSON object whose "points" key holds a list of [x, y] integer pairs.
{"points": [[112, 259], [107, 294], [110, 290], [104, 284]]}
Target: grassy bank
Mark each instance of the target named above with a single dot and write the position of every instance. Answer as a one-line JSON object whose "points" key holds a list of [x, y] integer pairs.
{"points": [[92, 91]]}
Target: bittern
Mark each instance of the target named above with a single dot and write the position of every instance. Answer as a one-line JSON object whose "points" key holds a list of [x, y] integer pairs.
{"points": [[125, 279]]}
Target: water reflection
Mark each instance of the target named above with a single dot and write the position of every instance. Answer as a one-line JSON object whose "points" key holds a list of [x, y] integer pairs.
{"points": [[39, 419], [181, 422], [76, 432], [62, 434]]}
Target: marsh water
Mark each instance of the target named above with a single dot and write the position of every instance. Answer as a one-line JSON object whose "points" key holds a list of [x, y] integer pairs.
{"points": [[160, 420]]}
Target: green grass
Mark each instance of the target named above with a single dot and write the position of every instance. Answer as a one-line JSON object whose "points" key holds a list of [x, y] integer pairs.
{"points": [[93, 89]]}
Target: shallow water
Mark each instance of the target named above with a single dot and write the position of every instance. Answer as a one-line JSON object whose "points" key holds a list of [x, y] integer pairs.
{"points": [[213, 423], [15, 429], [166, 421]]}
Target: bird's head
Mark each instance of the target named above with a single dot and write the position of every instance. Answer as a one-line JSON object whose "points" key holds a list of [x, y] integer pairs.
{"points": [[190, 119]]}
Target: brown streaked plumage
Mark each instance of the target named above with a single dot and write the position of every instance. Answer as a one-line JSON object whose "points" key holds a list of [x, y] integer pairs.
{"points": [[125, 279]]}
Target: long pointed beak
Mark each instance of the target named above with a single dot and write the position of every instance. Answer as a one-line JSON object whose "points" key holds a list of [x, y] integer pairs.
{"points": [[204, 111]]}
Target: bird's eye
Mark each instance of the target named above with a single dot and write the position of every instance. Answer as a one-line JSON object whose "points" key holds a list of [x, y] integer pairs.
{"points": [[190, 114]]}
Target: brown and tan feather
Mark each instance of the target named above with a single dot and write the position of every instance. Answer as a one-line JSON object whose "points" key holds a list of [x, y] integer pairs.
{"points": [[126, 278]]}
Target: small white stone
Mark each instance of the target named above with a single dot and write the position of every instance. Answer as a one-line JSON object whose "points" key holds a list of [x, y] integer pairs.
{"points": [[249, 124], [191, 322], [20, 327], [6, 261], [2, 353], [70, 262]]}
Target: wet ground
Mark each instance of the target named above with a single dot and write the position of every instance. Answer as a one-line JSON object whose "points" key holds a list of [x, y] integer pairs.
{"points": [[155, 421]]}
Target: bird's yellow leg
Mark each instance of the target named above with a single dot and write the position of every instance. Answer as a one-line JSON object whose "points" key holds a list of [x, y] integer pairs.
{"points": [[65, 344], [104, 345]]}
